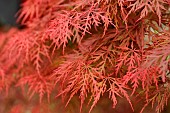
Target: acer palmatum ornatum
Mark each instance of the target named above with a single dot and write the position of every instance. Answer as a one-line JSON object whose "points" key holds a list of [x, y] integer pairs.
{"points": [[89, 48]]}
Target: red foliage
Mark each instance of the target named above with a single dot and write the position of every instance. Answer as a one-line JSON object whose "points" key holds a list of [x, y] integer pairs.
{"points": [[115, 47]]}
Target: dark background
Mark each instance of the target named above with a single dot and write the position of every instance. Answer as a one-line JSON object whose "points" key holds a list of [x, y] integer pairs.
{"points": [[8, 10]]}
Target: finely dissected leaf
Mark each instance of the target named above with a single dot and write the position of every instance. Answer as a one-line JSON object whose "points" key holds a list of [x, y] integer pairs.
{"points": [[76, 75], [37, 84], [89, 48]]}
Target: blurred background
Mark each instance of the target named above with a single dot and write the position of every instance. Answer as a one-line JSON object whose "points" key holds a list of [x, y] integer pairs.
{"points": [[8, 10]]}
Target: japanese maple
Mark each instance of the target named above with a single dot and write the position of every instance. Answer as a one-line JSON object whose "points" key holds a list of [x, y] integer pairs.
{"points": [[89, 48]]}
